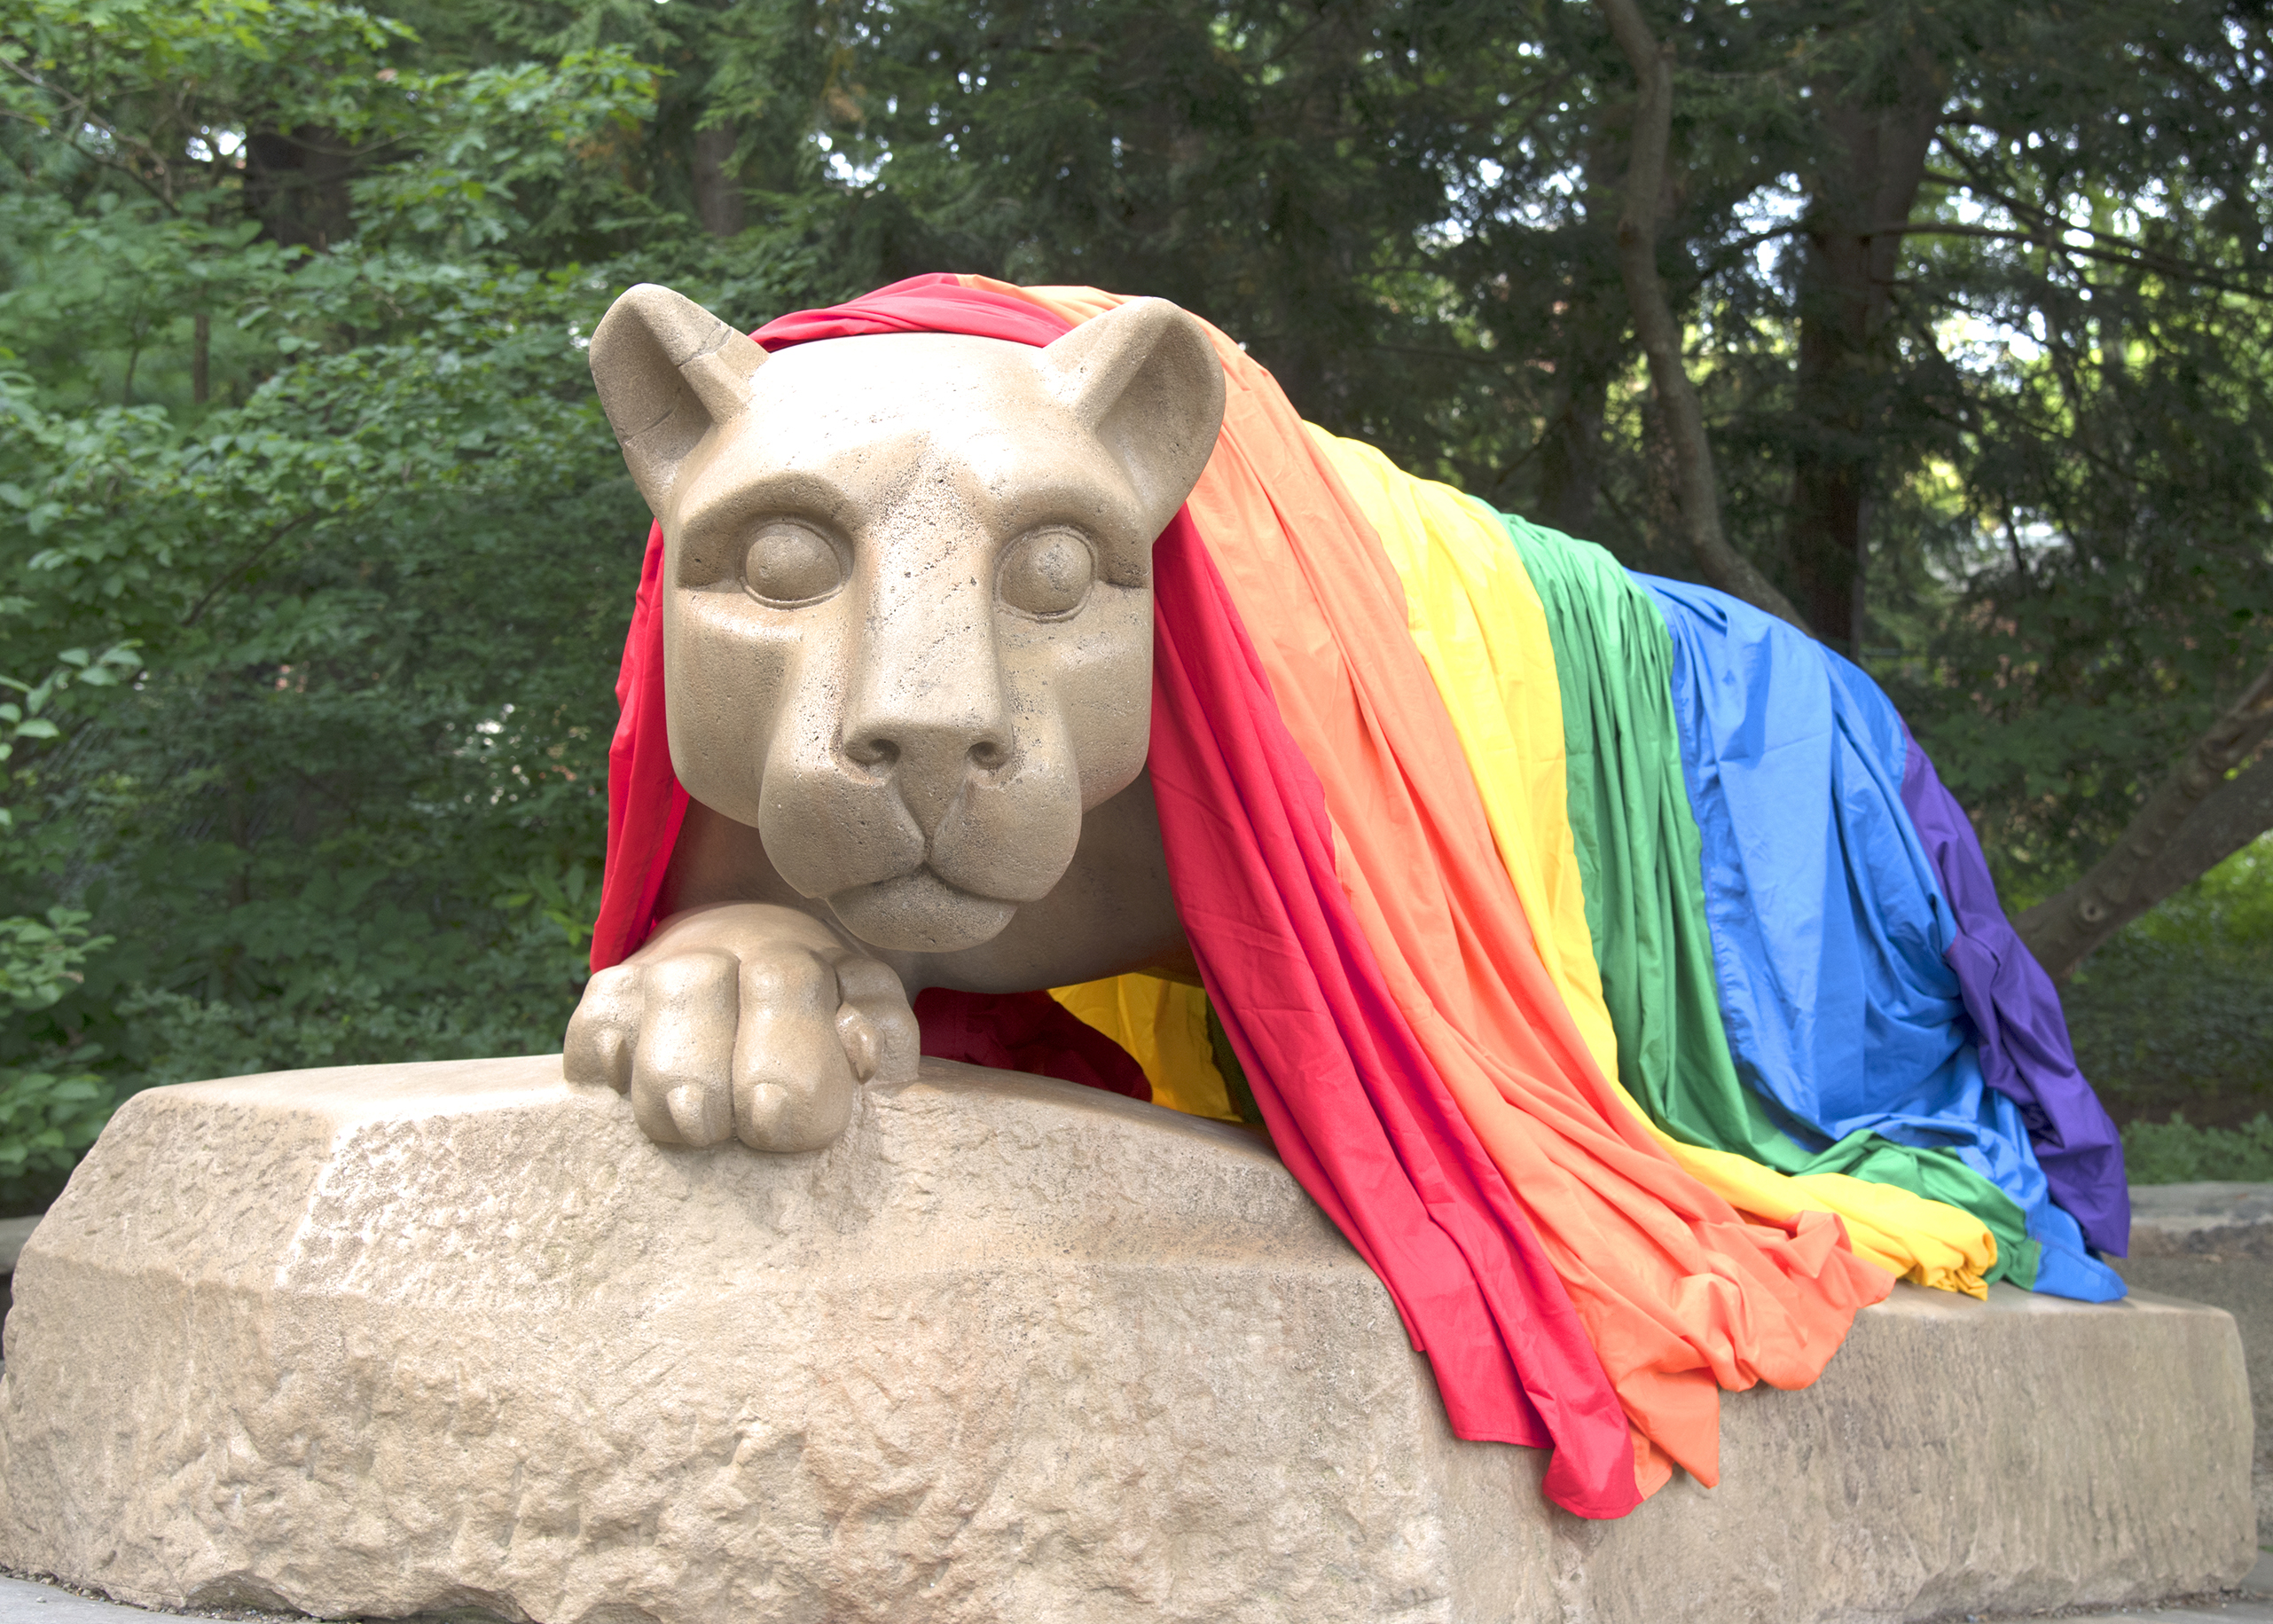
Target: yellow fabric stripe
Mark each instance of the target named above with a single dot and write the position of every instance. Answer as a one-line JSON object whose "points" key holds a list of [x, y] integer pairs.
{"points": [[1482, 631], [1164, 1025]]}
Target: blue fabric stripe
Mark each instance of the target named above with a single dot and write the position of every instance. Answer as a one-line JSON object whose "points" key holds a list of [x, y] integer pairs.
{"points": [[1829, 923]]}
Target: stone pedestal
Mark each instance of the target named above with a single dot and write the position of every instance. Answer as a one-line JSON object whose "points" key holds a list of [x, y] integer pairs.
{"points": [[398, 1339]]}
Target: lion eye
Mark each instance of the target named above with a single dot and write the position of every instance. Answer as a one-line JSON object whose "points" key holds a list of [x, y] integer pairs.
{"points": [[1047, 574], [786, 564]]}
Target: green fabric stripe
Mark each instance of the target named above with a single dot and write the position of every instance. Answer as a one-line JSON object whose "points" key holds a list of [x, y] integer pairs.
{"points": [[1641, 866]]}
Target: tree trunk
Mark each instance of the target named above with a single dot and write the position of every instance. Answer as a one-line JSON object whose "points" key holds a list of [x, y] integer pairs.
{"points": [[718, 202], [297, 185], [1570, 475], [1699, 492], [1589, 351], [1874, 164], [2229, 817], [1588, 344], [200, 357], [2197, 820]]}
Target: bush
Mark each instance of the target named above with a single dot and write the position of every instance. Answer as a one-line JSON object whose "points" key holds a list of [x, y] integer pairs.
{"points": [[46, 1120], [2176, 1014], [2177, 1152]]}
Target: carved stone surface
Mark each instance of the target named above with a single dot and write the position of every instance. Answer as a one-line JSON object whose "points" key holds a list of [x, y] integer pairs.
{"points": [[387, 1339]]}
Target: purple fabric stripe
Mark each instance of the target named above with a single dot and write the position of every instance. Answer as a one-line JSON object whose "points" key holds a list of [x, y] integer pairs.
{"points": [[2025, 1054]]}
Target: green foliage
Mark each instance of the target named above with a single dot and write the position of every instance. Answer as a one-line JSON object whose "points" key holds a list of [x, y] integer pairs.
{"points": [[2177, 1152], [2086, 377], [340, 509], [512, 154], [2176, 1014], [46, 1123], [40, 958], [46, 1119], [1283, 170], [306, 504], [568, 901]]}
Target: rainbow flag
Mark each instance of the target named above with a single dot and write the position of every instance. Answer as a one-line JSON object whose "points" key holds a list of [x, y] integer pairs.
{"points": [[1601, 954]]}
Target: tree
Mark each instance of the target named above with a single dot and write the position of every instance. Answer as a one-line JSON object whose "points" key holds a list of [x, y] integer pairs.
{"points": [[1699, 498], [292, 408], [347, 496], [1861, 370]]}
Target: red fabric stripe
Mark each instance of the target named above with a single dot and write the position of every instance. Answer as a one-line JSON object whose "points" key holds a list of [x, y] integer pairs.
{"points": [[939, 303], [1353, 1103], [645, 802], [1025, 1032]]}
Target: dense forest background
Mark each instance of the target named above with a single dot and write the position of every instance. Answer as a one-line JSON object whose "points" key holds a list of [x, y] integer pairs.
{"points": [[1943, 328]]}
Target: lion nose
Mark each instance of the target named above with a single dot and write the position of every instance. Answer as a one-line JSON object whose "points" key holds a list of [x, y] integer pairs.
{"points": [[934, 747], [928, 760], [927, 703]]}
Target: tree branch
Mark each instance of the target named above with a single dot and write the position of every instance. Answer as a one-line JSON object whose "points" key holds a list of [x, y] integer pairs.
{"points": [[2050, 229], [79, 113], [1653, 318], [261, 550], [2142, 259], [2233, 815], [2197, 808]]}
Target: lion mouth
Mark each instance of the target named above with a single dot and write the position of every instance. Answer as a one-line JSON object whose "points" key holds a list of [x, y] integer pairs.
{"points": [[919, 912]]}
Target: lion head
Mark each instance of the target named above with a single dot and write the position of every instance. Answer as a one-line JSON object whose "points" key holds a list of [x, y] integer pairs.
{"points": [[908, 610]]}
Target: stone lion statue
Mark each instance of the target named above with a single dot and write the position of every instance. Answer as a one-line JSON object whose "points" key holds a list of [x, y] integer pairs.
{"points": [[1604, 956], [907, 624]]}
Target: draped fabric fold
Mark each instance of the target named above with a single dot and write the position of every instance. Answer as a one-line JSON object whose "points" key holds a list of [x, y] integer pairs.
{"points": [[1680, 1294], [1462, 821], [1830, 927], [1162, 1025], [2025, 1051], [645, 801], [1555, 667], [1026, 1031], [1352, 1099]]}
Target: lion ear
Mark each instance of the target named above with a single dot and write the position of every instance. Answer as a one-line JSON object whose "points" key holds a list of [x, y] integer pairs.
{"points": [[1144, 379], [667, 371]]}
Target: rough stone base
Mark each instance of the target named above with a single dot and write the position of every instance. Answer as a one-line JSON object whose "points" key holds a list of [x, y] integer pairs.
{"points": [[393, 1339]]}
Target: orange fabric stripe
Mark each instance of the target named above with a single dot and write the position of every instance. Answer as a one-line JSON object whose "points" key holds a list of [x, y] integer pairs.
{"points": [[1681, 1296]]}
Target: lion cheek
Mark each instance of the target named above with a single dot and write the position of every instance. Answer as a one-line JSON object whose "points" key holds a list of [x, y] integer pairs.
{"points": [[825, 831], [1011, 840]]}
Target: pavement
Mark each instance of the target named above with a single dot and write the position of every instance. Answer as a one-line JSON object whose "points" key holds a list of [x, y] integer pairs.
{"points": [[2172, 1220], [23, 1602]]}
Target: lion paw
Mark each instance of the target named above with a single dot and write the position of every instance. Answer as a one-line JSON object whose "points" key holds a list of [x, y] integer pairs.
{"points": [[746, 1021]]}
